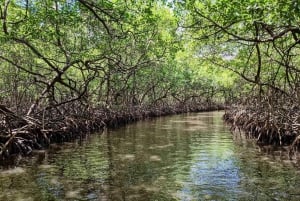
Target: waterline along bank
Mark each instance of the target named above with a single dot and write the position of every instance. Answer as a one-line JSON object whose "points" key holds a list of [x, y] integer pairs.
{"points": [[188, 157], [278, 126], [22, 135]]}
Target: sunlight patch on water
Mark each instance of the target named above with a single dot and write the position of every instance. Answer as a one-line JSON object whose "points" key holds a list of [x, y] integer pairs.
{"points": [[181, 195], [146, 188], [17, 170], [161, 178], [167, 127], [191, 122], [45, 166], [54, 181], [161, 146], [139, 146], [127, 156], [155, 158], [195, 128], [25, 199], [73, 194]]}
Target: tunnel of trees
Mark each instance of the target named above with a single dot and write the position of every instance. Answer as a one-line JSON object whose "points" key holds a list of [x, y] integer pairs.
{"points": [[70, 67]]}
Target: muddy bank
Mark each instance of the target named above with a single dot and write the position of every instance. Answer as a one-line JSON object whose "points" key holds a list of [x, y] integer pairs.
{"points": [[20, 135], [277, 125]]}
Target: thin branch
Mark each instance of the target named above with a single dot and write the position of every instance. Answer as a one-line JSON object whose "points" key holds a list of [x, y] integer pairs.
{"points": [[90, 8], [20, 67], [254, 40]]}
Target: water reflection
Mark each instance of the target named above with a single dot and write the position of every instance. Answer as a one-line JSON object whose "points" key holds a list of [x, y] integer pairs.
{"points": [[184, 157]]}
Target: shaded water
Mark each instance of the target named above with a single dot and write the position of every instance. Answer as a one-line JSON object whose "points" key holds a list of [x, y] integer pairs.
{"points": [[182, 157]]}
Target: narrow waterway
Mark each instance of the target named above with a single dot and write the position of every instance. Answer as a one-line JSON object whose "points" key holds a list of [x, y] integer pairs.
{"points": [[187, 157]]}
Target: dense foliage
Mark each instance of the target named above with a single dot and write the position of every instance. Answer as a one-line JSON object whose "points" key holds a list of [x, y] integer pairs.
{"points": [[100, 53], [259, 41]]}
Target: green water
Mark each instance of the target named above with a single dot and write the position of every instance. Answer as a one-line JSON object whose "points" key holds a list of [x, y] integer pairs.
{"points": [[182, 157]]}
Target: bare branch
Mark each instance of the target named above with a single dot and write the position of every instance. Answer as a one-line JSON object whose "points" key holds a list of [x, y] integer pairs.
{"points": [[90, 8]]}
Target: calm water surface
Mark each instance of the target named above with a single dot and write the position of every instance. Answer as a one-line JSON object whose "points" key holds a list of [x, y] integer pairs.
{"points": [[184, 157]]}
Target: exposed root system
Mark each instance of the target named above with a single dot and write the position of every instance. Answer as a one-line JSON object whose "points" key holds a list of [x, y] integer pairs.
{"points": [[277, 125], [21, 135]]}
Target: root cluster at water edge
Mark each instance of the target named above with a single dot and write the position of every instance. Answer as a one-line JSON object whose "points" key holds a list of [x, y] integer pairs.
{"points": [[277, 125], [22, 134]]}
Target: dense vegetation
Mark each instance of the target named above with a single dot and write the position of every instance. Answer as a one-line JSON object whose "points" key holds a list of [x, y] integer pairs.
{"points": [[70, 64], [259, 41], [121, 53]]}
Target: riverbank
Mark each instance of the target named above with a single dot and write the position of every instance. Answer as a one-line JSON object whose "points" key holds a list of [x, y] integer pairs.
{"points": [[22, 134], [278, 125], [154, 160]]}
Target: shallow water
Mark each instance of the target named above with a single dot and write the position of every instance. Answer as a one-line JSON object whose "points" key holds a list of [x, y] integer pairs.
{"points": [[187, 157]]}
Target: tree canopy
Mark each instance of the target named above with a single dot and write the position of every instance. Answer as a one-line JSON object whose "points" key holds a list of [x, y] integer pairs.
{"points": [[57, 53]]}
